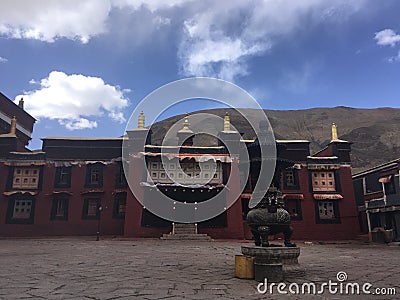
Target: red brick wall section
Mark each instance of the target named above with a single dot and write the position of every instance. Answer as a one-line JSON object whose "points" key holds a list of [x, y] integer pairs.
{"points": [[328, 151], [308, 229], [133, 215], [75, 225]]}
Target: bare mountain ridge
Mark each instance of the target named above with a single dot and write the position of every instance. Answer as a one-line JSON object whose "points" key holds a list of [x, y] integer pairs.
{"points": [[375, 133]]}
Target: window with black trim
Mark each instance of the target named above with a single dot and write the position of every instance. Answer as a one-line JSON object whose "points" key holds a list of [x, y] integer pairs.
{"points": [[91, 208], [245, 208], [372, 183], [293, 206], [21, 209], [323, 181], [119, 206], [390, 187], [59, 208], [94, 175], [63, 177], [291, 179], [25, 178], [327, 212], [120, 180]]}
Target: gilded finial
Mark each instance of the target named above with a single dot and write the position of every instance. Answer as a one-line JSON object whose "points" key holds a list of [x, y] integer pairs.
{"points": [[334, 132], [227, 122], [186, 123], [13, 125], [141, 120]]}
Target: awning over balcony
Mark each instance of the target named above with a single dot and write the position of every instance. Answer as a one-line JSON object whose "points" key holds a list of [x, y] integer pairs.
{"points": [[60, 193], [293, 196], [119, 191], [385, 179], [224, 158], [19, 192], [246, 196], [188, 186], [92, 192], [327, 196], [24, 163]]}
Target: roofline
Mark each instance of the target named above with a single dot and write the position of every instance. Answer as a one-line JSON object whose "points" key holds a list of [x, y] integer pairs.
{"points": [[21, 109], [81, 138], [377, 168], [188, 147], [292, 141]]}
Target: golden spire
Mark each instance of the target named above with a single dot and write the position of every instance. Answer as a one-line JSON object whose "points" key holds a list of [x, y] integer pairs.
{"points": [[186, 123], [141, 120], [13, 125], [227, 122], [334, 132]]}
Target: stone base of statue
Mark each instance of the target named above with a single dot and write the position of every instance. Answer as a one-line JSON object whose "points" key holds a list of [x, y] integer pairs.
{"points": [[275, 262]]}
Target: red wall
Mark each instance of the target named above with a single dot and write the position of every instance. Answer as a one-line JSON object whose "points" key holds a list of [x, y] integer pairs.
{"points": [[75, 225], [308, 229]]}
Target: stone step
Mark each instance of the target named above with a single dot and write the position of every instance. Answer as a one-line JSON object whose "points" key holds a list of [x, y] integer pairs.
{"points": [[197, 237], [180, 228], [185, 225], [184, 231]]}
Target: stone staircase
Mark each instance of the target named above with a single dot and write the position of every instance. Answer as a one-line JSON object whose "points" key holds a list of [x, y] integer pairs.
{"points": [[181, 231]]}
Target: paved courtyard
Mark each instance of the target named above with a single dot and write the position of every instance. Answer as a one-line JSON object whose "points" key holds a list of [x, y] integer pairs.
{"points": [[81, 268]]}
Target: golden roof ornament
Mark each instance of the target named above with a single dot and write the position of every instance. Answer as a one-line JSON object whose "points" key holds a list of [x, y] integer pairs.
{"points": [[186, 125], [141, 120], [227, 122], [334, 132]]}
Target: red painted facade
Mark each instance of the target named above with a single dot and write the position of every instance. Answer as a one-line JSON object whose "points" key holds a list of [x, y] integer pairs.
{"points": [[38, 211]]}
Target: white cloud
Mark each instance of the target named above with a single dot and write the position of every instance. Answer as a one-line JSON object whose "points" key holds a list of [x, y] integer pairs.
{"points": [[72, 99], [3, 59], [219, 40], [387, 37], [48, 20], [152, 5], [218, 37], [394, 59], [78, 124]]}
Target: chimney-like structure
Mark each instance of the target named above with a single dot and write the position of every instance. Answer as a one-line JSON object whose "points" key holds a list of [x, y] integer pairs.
{"points": [[13, 126], [227, 122], [138, 135], [21, 103], [185, 135], [230, 138], [141, 121], [337, 147]]}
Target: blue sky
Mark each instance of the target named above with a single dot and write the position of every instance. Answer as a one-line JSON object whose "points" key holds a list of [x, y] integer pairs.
{"points": [[83, 66]]}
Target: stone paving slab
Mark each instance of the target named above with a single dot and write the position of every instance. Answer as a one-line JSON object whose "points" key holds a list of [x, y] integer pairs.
{"points": [[81, 268]]}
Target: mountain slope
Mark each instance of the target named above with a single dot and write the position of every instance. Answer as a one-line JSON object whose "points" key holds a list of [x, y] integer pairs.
{"points": [[375, 133]]}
